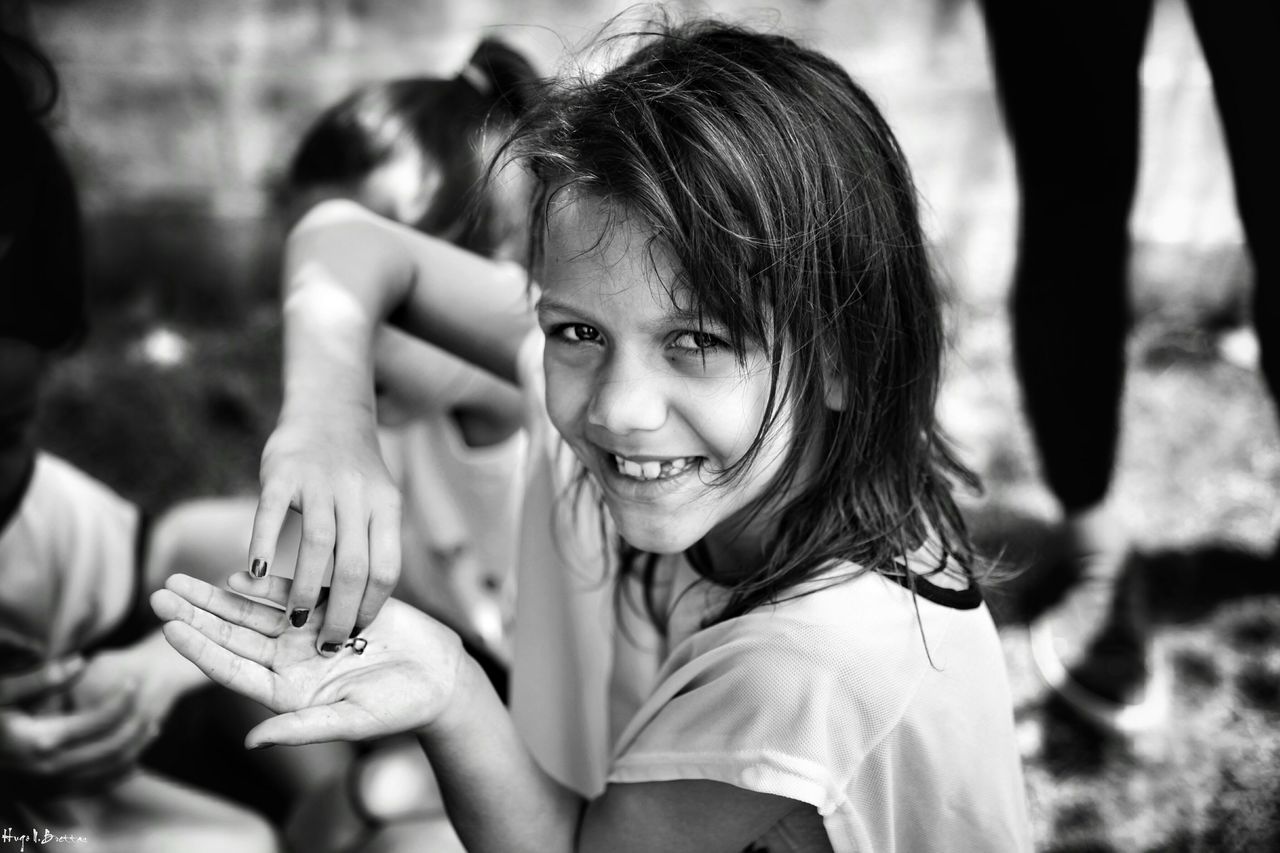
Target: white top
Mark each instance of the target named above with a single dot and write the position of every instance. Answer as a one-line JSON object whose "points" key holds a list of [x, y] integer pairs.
{"points": [[67, 561], [459, 511], [459, 503], [891, 716]]}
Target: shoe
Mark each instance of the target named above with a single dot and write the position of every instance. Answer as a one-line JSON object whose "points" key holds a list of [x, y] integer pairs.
{"points": [[1090, 647]]}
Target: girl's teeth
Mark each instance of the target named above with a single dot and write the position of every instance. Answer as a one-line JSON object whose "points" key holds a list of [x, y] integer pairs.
{"points": [[652, 470]]}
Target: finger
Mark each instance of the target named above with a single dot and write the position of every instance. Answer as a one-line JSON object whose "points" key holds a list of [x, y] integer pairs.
{"points": [[245, 642], [338, 721], [110, 751], [222, 667], [314, 554], [384, 561], [271, 588], [44, 737], [350, 577], [192, 593], [273, 505], [35, 683]]}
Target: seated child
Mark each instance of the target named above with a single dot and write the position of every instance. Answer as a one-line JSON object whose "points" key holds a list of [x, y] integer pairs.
{"points": [[747, 613], [86, 677]]}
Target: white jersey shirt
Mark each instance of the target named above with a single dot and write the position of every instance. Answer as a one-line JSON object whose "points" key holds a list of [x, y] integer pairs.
{"points": [[889, 713]]}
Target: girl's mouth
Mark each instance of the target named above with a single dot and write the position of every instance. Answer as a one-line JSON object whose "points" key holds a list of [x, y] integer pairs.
{"points": [[654, 469]]}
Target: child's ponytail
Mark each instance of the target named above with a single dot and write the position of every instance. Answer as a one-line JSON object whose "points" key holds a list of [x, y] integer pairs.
{"points": [[499, 71]]}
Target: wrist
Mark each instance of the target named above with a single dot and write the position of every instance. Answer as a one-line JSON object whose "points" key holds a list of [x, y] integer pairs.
{"points": [[471, 698], [328, 407]]}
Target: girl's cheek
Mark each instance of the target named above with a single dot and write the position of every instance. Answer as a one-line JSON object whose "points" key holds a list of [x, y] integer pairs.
{"points": [[566, 401]]}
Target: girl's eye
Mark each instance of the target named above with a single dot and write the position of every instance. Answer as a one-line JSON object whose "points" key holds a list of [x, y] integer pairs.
{"points": [[696, 341], [578, 333]]}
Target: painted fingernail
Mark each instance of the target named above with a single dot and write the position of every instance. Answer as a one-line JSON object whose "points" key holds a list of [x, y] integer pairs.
{"points": [[355, 632], [298, 618], [358, 645], [329, 648], [258, 569]]}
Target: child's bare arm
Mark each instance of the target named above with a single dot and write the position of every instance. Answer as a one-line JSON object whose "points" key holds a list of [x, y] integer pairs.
{"points": [[346, 272], [415, 379], [411, 675], [499, 799]]}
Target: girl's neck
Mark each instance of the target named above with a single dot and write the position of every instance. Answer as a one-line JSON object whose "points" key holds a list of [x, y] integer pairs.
{"points": [[727, 557]]}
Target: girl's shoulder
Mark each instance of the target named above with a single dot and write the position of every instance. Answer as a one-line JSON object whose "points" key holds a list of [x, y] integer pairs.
{"points": [[850, 596], [862, 626]]}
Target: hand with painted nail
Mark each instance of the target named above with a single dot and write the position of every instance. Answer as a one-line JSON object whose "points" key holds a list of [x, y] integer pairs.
{"points": [[46, 747], [327, 466], [399, 675]]}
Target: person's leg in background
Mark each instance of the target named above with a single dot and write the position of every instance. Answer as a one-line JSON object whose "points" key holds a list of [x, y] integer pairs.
{"points": [[1240, 41], [1067, 78]]}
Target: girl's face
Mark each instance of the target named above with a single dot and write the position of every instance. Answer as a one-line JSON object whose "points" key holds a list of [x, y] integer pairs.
{"points": [[655, 407]]}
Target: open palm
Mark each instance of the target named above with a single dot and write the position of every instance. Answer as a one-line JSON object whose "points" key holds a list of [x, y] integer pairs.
{"points": [[401, 680]]}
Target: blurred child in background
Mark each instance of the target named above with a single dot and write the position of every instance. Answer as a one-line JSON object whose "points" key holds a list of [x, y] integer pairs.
{"points": [[413, 150], [86, 678]]}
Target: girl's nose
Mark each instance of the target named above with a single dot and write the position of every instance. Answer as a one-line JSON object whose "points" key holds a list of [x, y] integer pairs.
{"points": [[628, 397]]}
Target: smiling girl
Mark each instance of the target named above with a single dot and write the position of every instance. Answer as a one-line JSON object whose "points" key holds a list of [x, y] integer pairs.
{"points": [[746, 614]]}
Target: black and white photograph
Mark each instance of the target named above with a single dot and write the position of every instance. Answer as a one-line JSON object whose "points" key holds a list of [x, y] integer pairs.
{"points": [[599, 426]]}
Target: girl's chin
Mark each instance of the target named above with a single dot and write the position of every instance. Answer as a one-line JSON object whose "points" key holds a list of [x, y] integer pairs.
{"points": [[656, 540]]}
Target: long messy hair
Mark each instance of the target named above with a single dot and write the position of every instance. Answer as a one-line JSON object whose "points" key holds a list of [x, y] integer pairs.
{"points": [[42, 268], [780, 192]]}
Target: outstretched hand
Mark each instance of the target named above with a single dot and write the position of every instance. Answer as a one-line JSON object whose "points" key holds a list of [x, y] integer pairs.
{"points": [[402, 678]]}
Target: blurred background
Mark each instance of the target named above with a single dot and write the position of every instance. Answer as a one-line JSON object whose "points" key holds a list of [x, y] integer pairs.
{"points": [[178, 118]]}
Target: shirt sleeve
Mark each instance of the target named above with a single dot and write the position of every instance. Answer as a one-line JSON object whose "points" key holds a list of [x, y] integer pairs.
{"points": [[770, 712]]}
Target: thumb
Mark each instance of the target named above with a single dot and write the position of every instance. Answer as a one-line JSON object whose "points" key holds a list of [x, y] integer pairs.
{"points": [[339, 721]]}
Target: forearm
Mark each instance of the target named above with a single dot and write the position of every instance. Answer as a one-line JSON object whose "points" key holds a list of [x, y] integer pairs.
{"points": [[421, 379], [341, 281], [497, 797], [361, 270]]}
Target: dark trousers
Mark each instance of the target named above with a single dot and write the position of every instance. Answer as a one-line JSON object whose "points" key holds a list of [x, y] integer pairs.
{"points": [[1067, 76]]}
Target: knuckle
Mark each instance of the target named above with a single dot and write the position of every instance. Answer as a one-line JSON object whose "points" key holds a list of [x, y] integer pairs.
{"points": [[388, 498], [43, 746], [349, 571], [318, 536], [275, 490], [382, 581]]}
